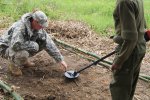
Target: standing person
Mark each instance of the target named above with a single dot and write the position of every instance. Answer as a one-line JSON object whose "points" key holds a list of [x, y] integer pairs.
{"points": [[24, 39], [129, 26]]}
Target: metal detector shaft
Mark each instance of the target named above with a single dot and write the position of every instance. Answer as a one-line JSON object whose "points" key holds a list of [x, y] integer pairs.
{"points": [[96, 62]]}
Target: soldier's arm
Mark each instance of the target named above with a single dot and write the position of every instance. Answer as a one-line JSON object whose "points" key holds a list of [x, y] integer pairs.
{"points": [[52, 49], [128, 31]]}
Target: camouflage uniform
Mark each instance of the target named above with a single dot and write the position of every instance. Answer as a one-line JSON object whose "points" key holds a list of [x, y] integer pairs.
{"points": [[20, 42], [130, 26]]}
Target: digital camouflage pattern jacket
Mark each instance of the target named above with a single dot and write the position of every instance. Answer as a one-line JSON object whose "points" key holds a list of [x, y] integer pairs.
{"points": [[20, 35]]}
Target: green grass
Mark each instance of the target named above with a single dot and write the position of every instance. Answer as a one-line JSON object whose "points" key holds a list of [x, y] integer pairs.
{"points": [[96, 13], [147, 12]]}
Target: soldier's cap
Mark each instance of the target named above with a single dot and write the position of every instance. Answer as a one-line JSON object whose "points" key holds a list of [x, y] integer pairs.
{"points": [[41, 18]]}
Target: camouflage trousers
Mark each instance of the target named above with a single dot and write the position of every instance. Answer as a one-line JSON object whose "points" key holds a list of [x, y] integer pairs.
{"points": [[123, 84], [21, 56]]}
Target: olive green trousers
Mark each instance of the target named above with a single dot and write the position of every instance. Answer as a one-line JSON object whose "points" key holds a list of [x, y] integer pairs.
{"points": [[123, 84]]}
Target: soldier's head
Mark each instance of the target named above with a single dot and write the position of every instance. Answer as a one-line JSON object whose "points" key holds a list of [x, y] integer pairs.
{"points": [[39, 20]]}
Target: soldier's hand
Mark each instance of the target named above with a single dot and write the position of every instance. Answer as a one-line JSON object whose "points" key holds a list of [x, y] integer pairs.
{"points": [[63, 64]]}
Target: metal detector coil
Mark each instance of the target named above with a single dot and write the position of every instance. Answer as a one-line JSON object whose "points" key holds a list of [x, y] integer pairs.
{"points": [[71, 74]]}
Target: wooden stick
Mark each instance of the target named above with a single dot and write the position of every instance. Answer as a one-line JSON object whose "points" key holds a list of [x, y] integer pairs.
{"points": [[7, 88], [145, 76], [144, 79]]}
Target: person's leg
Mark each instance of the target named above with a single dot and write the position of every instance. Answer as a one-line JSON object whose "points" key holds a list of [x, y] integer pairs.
{"points": [[135, 79], [12, 67], [121, 85], [20, 58], [136, 75], [32, 47], [16, 61]]}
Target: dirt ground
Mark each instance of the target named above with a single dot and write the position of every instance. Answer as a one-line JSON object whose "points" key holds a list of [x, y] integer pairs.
{"points": [[46, 81]]}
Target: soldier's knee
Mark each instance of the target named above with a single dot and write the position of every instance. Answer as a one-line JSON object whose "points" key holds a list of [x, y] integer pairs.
{"points": [[32, 46]]}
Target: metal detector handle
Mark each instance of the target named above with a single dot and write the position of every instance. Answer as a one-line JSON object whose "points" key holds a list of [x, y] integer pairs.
{"points": [[96, 62]]}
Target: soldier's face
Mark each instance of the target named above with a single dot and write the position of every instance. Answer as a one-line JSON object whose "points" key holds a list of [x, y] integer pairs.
{"points": [[35, 25]]}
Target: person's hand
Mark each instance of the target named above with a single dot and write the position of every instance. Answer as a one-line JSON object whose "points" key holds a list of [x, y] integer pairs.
{"points": [[63, 64]]}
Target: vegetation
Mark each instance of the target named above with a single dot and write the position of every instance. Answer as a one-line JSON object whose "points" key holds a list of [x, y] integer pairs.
{"points": [[96, 13]]}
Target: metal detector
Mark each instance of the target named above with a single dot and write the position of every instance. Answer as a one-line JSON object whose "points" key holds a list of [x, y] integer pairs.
{"points": [[74, 74]]}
